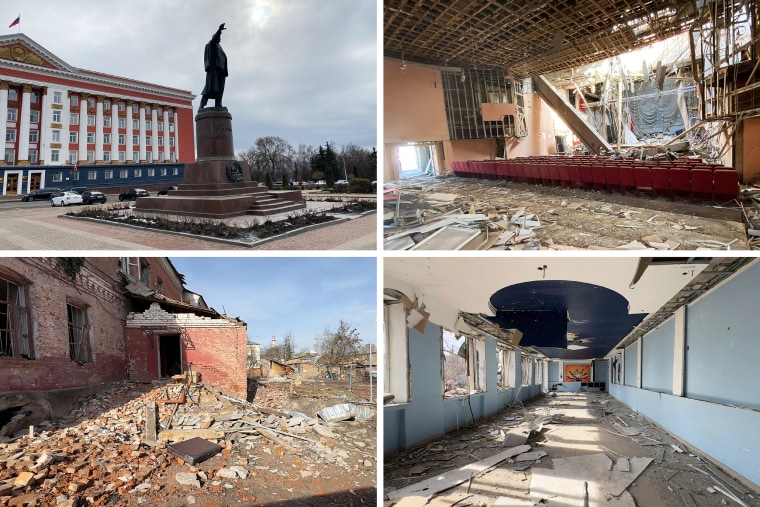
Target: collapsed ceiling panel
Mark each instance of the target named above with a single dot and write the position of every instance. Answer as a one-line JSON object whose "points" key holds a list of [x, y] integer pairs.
{"points": [[527, 38]]}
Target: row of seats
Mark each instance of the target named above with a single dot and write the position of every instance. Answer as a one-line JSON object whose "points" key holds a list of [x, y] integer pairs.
{"points": [[685, 177]]}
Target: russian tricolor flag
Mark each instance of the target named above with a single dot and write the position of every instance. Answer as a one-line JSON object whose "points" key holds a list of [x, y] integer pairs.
{"points": [[15, 21]]}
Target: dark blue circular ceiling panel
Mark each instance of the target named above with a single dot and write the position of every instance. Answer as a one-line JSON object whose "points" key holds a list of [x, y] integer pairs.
{"points": [[546, 311]]}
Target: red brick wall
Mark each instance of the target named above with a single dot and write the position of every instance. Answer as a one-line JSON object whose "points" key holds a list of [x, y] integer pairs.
{"points": [[219, 355]]}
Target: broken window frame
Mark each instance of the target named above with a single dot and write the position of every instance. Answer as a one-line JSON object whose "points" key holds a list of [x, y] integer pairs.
{"points": [[505, 367], [15, 338], [144, 273], [396, 353], [472, 352], [80, 347], [526, 372], [539, 370]]}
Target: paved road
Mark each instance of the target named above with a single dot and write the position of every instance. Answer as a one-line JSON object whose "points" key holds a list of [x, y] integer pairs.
{"points": [[37, 226]]}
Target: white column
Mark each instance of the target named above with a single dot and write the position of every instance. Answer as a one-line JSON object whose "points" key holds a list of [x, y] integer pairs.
{"points": [[3, 117], [176, 136], [154, 134], [679, 351], [129, 132], [23, 130], [114, 131], [44, 121], [83, 127], [66, 122], [99, 130], [165, 133], [142, 132], [639, 357]]}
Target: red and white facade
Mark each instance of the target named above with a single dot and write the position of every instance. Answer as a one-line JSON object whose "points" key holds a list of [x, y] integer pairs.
{"points": [[56, 114]]}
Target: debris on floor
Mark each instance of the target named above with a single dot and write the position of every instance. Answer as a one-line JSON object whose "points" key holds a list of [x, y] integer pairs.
{"points": [[453, 213], [212, 446], [578, 449]]}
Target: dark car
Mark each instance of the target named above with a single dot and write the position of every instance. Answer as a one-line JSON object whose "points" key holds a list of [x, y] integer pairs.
{"points": [[132, 194], [91, 196], [78, 190], [165, 191], [41, 194]]}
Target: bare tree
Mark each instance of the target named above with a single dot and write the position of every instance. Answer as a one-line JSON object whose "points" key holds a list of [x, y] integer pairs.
{"points": [[288, 347], [302, 163], [454, 365], [339, 345]]}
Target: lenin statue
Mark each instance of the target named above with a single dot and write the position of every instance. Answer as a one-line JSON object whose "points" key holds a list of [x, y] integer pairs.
{"points": [[215, 62]]}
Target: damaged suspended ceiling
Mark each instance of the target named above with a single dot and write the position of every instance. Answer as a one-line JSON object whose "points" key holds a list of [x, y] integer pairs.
{"points": [[590, 304]]}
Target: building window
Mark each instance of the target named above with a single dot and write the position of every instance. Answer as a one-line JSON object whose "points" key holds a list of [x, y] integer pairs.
{"points": [[56, 136], [108, 174], [135, 124], [73, 158], [57, 98], [73, 136], [160, 140], [135, 107], [90, 156], [74, 119], [124, 173], [151, 172], [90, 137], [12, 95], [135, 140], [395, 361], [148, 125], [90, 120], [122, 106], [159, 286], [175, 171], [106, 138], [147, 140], [92, 175], [35, 98], [75, 176], [137, 173], [107, 104], [15, 340], [34, 135], [10, 136], [171, 127], [160, 156], [33, 157], [163, 171], [55, 155], [160, 126], [34, 116], [122, 123], [122, 156], [145, 272], [527, 370], [147, 108], [12, 114], [79, 334], [505, 368], [122, 139], [149, 157], [56, 115], [10, 156], [135, 157], [75, 100], [91, 102], [171, 141], [106, 156], [107, 121], [57, 177]]}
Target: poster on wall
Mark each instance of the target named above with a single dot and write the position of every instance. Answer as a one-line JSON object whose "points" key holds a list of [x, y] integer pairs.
{"points": [[577, 373]]}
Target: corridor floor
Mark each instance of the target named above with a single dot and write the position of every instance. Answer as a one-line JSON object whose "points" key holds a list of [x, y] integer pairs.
{"points": [[574, 430]]}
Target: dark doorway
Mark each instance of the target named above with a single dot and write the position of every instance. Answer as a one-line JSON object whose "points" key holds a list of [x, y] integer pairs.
{"points": [[170, 356]]}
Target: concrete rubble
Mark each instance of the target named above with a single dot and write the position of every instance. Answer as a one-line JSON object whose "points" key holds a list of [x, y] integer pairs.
{"points": [[100, 453], [569, 450], [453, 213]]}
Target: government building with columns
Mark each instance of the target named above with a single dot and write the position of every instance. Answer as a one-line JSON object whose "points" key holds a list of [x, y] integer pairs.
{"points": [[67, 126]]}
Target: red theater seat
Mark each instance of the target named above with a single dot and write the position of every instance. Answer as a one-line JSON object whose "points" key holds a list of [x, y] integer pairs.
{"points": [[587, 175], [627, 181], [702, 183], [598, 173], [660, 181], [725, 184], [680, 181], [612, 176]]}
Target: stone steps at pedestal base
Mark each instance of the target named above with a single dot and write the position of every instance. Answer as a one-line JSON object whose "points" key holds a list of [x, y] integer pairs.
{"points": [[270, 205]]}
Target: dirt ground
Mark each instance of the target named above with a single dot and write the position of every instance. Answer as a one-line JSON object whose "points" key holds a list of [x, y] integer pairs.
{"points": [[579, 424], [99, 456], [569, 218]]}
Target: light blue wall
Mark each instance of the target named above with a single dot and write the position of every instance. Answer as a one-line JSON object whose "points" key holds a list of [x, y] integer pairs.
{"points": [[631, 364], [657, 358], [601, 370], [723, 340], [553, 375], [428, 414]]}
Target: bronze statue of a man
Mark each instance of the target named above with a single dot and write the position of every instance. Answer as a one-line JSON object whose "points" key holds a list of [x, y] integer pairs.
{"points": [[215, 62]]}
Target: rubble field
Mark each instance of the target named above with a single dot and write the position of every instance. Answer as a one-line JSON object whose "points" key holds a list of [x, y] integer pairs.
{"points": [[269, 451], [561, 449], [519, 216]]}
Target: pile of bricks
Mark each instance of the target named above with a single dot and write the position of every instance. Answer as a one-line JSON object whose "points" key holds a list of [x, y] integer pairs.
{"points": [[99, 455]]}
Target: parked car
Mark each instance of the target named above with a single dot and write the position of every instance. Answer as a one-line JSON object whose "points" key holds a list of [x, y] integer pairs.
{"points": [[132, 194], [65, 199], [341, 182], [91, 196], [165, 191], [78, 190], [41, 194]]}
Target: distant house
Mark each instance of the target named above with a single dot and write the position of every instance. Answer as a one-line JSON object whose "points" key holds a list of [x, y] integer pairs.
{"points": [[308, 364]]}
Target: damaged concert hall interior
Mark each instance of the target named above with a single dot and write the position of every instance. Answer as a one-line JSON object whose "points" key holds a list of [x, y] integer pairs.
{"points": [[571, 381], [601, 124]]}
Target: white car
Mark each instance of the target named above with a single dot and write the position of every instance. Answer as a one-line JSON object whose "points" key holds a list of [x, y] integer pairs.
{"points": [[65, 199]]}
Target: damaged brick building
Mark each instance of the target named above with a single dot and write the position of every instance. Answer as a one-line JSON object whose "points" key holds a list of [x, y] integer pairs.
{"points": [[68, 325]]}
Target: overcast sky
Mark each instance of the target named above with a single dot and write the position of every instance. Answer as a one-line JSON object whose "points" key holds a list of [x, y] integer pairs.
{"points": [[302, 295], [303, 70]]}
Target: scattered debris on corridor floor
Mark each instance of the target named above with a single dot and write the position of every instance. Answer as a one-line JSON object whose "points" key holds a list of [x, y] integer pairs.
{"points": [[451, 213], [562, 449], [269, 451]]}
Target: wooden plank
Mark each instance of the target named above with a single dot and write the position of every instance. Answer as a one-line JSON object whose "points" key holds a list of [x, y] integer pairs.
{"points": [[208, 434], [151, 419], [455, 477]]}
